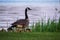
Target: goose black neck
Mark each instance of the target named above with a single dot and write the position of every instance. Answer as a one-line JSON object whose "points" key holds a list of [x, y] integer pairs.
{"points": [[26, 16]]}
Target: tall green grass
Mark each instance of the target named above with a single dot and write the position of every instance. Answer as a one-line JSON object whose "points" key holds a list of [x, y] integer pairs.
{"points": [[58, 26], [29, 35], [50, 26]]}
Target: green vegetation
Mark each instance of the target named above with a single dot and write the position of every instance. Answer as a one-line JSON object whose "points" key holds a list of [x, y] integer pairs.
{"points": [[50, 26], [40, 31], [29, 36]]}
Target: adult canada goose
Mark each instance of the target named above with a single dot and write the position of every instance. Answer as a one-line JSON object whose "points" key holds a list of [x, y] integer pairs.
{"points": [[22, 23]]}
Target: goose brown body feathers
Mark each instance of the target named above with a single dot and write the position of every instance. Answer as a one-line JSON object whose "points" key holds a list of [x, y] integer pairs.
{"points": [[23, 22]]}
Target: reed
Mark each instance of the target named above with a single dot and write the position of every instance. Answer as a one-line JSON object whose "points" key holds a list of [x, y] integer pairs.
{"points": [[50, 26]]}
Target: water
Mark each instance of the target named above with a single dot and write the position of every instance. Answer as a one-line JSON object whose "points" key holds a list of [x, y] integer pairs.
{"points": [[9, 14]]}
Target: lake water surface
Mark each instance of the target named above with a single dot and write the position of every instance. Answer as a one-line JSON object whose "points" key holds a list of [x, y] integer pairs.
{"points": [[9, 14]]}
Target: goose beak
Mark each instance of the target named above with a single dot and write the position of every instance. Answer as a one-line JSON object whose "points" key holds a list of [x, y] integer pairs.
{"points": [[30, 9]]}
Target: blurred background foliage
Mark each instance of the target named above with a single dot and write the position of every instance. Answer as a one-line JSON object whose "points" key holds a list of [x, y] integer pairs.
{"points": [[50, 26]]}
